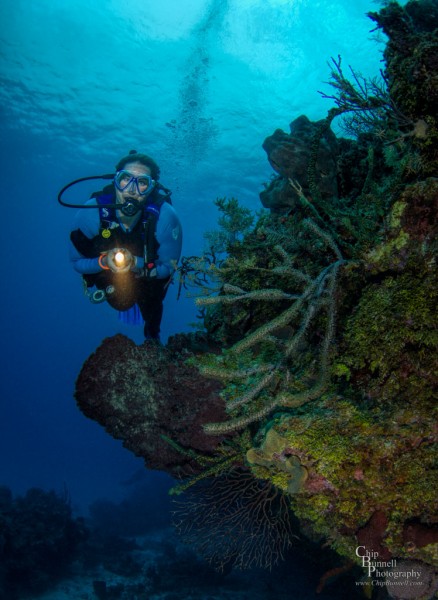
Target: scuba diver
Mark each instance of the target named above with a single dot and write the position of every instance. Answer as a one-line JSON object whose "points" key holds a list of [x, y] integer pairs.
{"points": [[128, 248]]}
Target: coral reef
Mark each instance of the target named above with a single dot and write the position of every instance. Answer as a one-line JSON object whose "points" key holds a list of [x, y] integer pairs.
{"points": [[169, 569], [315, 374], [280, 464], [411, 71], [39, 540]]}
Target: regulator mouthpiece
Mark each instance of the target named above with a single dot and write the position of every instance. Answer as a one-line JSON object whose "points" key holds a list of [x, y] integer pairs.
{"points": [[131, 207]]}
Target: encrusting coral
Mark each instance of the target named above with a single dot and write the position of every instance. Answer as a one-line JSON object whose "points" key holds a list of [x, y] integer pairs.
{"points": [[319, 342], [280, 464]]}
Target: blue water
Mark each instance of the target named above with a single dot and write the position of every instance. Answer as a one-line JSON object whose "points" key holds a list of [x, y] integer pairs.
{"points": [[196, 84]]}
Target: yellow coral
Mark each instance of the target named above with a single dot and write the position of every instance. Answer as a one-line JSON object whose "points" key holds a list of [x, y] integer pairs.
{"points": [[285, 471]]}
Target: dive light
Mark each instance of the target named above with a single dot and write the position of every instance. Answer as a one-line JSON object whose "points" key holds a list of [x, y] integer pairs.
{"points": [[119, 258]]}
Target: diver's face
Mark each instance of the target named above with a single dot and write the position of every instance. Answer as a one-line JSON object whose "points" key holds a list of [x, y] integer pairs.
{"points": [[136, 169]]}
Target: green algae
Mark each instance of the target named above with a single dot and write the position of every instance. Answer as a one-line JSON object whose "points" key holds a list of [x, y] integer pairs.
{"points": [[359, 461], [391, 338]]}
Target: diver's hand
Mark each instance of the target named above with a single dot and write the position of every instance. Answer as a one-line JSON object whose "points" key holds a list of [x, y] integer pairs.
{"points": [[120, 260]]}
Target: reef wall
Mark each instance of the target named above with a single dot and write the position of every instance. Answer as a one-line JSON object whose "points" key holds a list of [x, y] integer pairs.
{"points": [[315, 374]]}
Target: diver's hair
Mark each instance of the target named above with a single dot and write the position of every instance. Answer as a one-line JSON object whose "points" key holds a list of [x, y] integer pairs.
{"points": [[144, 159]]}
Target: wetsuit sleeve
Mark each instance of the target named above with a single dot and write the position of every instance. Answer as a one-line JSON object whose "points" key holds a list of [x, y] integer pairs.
{"points": [[86, 224], [169, 236]]}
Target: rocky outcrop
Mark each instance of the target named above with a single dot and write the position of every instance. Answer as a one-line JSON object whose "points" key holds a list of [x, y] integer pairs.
{"points": [[290, 155], [148, 398]]}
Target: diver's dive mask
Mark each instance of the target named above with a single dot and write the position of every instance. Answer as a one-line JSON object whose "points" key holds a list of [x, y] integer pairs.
{"points": [[126, 181], [143, 184]]}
